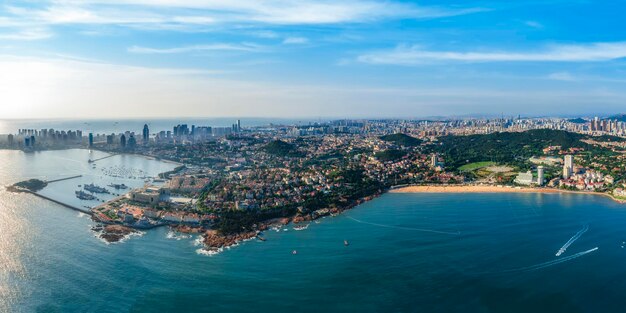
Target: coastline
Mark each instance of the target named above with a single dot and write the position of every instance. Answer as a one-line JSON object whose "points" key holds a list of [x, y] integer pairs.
{"points": [[492, 189]]}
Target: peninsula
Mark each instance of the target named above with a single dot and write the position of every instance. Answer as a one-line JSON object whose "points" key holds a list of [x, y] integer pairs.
{"points": [[233, 183]]}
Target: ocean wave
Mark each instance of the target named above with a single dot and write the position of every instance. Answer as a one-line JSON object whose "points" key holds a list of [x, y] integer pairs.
{"points": [[198, 241], [176, 236], [205, 252]]}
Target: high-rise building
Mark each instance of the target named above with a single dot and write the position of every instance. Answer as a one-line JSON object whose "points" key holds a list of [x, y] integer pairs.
{"points": [[10, 139], [540, 174], [146, 134], [90, 140], [123, 141], [568, 166], [132, 142], [32, 141], [238, 125]]}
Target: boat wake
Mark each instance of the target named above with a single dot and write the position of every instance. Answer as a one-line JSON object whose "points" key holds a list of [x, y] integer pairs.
{"points": [[551, 263], [571, 240], [457, 233]]}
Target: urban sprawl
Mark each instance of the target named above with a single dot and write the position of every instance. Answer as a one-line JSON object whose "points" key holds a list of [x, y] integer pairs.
{"points": [[235, 182]]}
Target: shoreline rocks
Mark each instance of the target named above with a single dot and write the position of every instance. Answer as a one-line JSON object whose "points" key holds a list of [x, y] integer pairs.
{"points": [[115, 233], [213, 240]]}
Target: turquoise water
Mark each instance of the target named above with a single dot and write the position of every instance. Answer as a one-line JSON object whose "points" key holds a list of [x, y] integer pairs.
{"points": [[407, 253]]}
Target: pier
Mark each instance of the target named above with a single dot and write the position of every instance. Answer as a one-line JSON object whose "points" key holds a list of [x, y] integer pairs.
{"points": [[102, 158], [69, 206], [62, 179]]}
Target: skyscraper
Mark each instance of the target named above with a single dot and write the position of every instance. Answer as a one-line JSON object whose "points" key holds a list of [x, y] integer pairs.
{"points": [[90, 140], [123, 142], [540, 175], [568, 166], [132, 142], [146, 134]]}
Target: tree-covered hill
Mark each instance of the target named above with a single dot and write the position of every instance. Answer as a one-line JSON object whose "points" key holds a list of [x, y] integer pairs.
{"points": [[578, 120], [389, 155], [281, 148], [505, 147], [402, 140]]}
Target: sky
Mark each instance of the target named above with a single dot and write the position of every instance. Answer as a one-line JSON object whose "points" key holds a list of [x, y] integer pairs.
{"points": [[311, 58]]}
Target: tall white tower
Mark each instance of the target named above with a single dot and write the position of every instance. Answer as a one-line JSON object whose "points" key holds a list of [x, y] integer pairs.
{"points": [[568, 166], [540, 179]]}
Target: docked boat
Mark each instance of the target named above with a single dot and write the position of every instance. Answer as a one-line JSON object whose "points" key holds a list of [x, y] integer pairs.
{"points": [[84, 196], [118, 186], [95, 189]]}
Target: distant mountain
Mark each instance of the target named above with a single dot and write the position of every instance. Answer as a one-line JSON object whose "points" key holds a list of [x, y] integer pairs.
{"points": [[402, 140], [578, 121], [619, 117]]}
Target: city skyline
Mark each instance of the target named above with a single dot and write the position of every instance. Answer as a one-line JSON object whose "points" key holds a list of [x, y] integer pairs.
{"points": [[310, 59]]}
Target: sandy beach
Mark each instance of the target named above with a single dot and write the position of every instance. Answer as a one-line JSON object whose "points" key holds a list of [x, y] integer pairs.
{"points": [[490, 189], [470, 189]]}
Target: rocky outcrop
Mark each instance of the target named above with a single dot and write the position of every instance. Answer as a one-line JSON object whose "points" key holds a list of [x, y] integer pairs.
{"points": [[115, 233], [186, 229], [214, 240]]}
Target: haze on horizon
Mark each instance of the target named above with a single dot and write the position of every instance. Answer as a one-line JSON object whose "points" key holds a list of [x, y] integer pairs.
{"points": [[306, 58]]}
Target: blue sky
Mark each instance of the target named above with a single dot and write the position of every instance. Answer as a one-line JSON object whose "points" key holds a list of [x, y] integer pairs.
{"points": [[306, 58]]}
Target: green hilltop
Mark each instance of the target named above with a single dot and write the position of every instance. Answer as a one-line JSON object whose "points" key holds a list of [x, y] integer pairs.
{"points": [[402, 140]]}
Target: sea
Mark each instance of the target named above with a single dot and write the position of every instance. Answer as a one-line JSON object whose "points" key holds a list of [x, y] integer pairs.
{"points": [[405, 253], [108, 126]]}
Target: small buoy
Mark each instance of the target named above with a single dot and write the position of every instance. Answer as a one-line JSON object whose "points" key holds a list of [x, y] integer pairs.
{"points": [[294, 252]]}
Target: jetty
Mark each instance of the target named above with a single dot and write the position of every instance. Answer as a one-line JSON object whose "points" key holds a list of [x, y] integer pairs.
{"points": [[69, 206], [62, 179], [102, 158]]}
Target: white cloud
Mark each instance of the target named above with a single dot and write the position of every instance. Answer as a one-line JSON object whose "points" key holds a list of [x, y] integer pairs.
{"points": [[534, 24], [57, 88], [184, 49], [268, 34], [415, 55], [295, 40], [562, 76], [27, 34], [283, 12]]}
